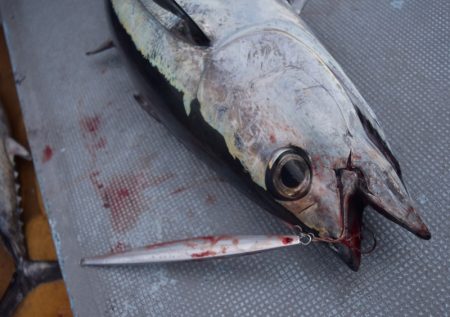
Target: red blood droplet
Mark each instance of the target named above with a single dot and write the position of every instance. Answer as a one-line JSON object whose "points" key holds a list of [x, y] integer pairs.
{"points": [[286, 240], [203, 254], [47, 154], [179, 190], [273, 139]]}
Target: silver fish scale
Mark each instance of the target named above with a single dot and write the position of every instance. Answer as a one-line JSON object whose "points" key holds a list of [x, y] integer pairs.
{"points": [[395, 51]]}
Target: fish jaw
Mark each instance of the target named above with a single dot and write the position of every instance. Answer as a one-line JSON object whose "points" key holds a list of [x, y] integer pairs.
{"points": [[376, 182], [335, 214]]}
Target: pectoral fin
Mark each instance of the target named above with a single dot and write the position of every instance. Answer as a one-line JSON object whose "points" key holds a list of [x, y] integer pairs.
{"points": [[297, 5]]}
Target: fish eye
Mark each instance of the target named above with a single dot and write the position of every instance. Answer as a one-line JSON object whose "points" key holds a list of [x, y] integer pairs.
{"points": [[288, 175]]}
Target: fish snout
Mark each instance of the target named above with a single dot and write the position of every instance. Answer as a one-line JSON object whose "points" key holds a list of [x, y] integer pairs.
{"points": [[373, 182], [387, 194], [377, 182]]}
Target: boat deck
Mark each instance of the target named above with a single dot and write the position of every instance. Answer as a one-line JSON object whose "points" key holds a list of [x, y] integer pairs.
{"points": [[112, 177]]}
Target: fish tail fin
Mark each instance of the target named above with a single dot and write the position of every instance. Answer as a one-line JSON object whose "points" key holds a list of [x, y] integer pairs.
{"points": [[28, 275], [14, 295]]}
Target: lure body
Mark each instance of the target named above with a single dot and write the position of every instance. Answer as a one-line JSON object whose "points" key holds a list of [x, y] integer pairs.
{"points": [[250, 83], [195, 249]]}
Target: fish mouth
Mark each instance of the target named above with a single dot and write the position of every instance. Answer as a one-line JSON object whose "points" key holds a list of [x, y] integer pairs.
{"points": [[352, 205], [384, 191]]}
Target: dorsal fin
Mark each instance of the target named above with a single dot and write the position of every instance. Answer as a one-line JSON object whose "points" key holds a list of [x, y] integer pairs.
{"points": [[197, 35], [297, 5]]}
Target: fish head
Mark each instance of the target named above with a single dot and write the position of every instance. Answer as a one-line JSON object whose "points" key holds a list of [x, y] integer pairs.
{"points": [[291, 124]]}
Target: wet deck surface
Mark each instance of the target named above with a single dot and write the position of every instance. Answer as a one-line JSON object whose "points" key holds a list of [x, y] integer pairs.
{"points": [[112, 177]]}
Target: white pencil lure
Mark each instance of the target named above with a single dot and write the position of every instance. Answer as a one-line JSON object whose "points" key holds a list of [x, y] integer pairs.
{"points": [[201, 248]]}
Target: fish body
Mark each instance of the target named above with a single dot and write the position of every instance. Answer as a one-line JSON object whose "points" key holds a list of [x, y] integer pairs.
{"points": [[28, 273], [251, 84]]}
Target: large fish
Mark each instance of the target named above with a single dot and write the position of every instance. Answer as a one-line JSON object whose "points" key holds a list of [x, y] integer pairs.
{"points": [[28, 273], [251, 83]]}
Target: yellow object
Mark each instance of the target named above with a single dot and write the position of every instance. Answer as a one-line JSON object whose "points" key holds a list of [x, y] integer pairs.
{"points": [[47, 300], [7, 269]]}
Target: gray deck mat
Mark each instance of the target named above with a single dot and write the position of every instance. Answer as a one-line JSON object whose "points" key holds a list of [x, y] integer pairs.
{"points": [[113, 177]]}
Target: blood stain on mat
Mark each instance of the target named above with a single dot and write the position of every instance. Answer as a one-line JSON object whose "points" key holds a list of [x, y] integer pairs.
{"points": [[122, 195], [90, 127], [178, 190], [47, 154], [90, 124], [119, 247], [210, 199], [101, 144]]}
